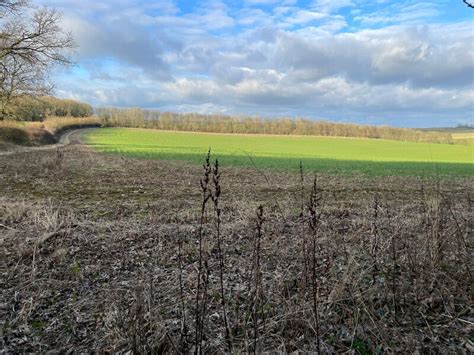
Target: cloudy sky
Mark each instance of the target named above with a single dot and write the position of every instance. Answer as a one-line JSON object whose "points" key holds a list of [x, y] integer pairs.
{"points": [[397, 62]]}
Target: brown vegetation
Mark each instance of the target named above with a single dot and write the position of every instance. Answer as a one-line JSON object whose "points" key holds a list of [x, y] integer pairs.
{"points": [[39, 133], [111, 257]]}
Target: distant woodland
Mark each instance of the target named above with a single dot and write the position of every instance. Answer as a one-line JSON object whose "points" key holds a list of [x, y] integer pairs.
{"points": [[138, 118], [29, 108], [38, 109]]}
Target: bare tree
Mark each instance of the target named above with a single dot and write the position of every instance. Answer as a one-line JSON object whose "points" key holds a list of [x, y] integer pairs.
{"points": [[30, 46], [11, 6], [468, 4], [20, 78]]}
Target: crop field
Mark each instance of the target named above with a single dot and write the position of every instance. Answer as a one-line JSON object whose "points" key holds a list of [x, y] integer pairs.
{"points": [[338, 155]]}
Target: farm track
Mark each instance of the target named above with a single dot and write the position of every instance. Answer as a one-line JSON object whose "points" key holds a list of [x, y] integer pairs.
{"points": [[67, 138]]}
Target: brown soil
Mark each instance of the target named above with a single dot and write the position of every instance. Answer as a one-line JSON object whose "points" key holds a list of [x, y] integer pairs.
{"points": [[93, 248]]}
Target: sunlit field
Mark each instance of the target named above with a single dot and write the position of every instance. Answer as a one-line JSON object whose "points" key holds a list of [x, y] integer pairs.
{"points": [[343, 155], [464, 138]]}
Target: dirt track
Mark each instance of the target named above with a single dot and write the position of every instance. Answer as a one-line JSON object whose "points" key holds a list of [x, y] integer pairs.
{"points": [[69, 137]]}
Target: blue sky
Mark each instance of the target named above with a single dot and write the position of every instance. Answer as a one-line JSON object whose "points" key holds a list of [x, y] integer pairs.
{"points": [[403, 63]]}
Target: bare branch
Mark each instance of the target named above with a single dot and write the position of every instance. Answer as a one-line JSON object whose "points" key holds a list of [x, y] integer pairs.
{"points": [[468, 4], [11, 6], [30, 46], [40, 41]]}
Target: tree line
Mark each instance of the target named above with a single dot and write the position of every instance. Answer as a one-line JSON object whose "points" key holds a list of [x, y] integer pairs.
{"points": [[26, 108], [138, 118]]}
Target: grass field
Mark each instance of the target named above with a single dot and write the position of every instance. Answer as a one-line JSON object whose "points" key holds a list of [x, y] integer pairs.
{"points": [[346, 155]]}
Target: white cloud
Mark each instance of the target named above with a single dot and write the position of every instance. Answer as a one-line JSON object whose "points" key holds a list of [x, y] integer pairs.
{"points": [[305, 16], [270, 2], [330, 6], [400, 12], [272, 60]]}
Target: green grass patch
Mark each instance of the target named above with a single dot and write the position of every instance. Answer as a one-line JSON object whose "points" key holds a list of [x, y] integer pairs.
{"points": [[343, 155]]}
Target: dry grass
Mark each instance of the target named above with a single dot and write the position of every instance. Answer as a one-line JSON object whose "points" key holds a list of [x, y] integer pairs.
{"points": [[52, 124], [464, 138], [103, 254], [56, 124], [46, 132]]}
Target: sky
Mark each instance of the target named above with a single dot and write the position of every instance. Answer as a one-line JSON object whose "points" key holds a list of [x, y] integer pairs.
{"points": [[397, 62]]}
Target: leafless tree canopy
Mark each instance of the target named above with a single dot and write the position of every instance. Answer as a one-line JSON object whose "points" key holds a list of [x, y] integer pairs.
{"points": [[30, 45], [11, 6]]}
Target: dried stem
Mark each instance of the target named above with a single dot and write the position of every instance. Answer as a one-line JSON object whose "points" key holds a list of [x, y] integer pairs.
{"points": [[314, 220], [215, 199], [206, 195]]}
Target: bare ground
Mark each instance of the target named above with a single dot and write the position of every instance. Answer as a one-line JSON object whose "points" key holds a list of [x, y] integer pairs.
{"points": [[101, 253]]}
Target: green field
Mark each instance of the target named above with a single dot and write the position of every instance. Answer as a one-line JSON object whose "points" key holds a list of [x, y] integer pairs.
{"points": [[346, 155]]}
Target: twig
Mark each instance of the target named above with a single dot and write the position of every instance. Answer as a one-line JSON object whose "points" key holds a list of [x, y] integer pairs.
{"points": [[468, 4], [6, 227], [355, 328], [459, 319]]}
